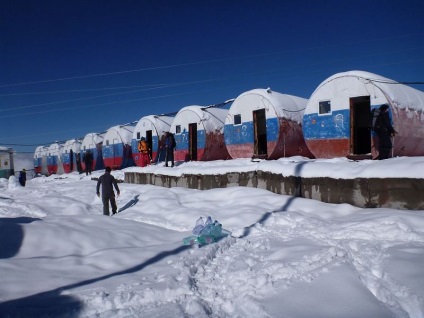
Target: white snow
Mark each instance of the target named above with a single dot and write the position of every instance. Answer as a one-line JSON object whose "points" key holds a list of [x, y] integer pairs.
{"points": [[287, 256]]}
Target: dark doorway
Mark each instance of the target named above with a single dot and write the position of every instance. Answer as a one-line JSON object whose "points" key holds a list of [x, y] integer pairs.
{"points": [[192, 142], [149, 142], [360, 132], [260, 138], [71, 158], [114, 151]]}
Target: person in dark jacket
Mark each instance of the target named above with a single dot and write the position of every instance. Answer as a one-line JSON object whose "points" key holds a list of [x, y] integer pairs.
{"points": [[385, 131], [22, 177], [160, 155], [88, 160], [108, 195], [169, 148]]}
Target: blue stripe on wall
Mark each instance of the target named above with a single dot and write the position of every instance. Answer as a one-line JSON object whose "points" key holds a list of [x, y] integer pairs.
{"points": [[242, 134], [52, 160], [183, 139], [332, 126], [113, 151]]}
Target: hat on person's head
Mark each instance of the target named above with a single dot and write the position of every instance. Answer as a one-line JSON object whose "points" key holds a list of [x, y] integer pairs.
{"points": [[108, 169], [384, 107], [142, 139]]}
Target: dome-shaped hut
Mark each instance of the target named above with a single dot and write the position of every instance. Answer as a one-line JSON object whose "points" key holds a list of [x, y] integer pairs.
{"points": [[93, 142], [70, 156], [54, 158], [40, 159], [116, 147], [152, 128], [198, 133], [337, 118], [265, 124]]}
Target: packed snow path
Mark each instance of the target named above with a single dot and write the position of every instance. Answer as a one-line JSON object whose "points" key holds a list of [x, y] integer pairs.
{"points": [[284, 251]]}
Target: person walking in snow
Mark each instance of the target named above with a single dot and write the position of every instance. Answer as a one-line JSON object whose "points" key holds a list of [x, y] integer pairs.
{"points": [[384, 131], [22, 177], [108, 195]]}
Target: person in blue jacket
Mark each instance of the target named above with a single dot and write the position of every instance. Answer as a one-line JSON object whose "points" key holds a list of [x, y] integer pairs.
{"points": [[169, 148], [22, 177]]}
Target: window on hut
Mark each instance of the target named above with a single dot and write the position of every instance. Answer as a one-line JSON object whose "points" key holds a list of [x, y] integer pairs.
{"points": [[237, 119], [324, 107]]}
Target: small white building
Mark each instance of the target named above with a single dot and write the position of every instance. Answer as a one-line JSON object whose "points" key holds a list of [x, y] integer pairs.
{"points": [[54, 158], [152, 128], [94, 143], [337, 118], [6, 162], [198, 133], [117, 153], [40, 159], [71, 156], [265, 124]]}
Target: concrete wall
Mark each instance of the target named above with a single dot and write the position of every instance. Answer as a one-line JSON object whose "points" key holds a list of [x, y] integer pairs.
{"points": [[396, 193]]}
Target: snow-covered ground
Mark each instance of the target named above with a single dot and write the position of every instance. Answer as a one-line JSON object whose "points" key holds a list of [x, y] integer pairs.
{"points": [[287, 256]]}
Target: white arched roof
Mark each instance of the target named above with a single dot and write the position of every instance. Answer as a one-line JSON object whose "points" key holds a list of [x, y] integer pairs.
{"points": [[288, 106], [72, 144], [156, 123], [40, 151], [121, 133], [402, 96], [55, 149], [91, 139], [211, 118]]}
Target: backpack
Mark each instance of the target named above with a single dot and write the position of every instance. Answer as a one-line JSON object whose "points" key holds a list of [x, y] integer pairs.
{"points": [[375, 119]]}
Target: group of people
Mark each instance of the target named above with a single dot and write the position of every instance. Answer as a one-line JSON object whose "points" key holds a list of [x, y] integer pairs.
{"points": [[165, 152]]}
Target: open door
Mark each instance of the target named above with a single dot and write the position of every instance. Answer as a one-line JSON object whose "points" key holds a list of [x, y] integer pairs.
{"points": [[149, 140], [360, 132], [260, 138], [192, 144], [116, 163], [71, 162]]}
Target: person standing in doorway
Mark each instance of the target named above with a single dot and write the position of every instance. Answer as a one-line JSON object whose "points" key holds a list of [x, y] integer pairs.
{"points": [[385, 132], [88, 160], [144, 149], [108, 195]]}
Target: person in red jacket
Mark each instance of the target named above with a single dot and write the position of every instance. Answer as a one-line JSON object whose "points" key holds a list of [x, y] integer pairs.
{"points": [[143, 148]]}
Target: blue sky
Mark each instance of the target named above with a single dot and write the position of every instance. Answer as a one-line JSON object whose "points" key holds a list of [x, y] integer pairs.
{"points": [[68, 68]]}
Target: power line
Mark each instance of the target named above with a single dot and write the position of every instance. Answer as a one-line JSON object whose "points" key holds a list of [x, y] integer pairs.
{"points": [[201, 62], [153, 86], [161, 86]]}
